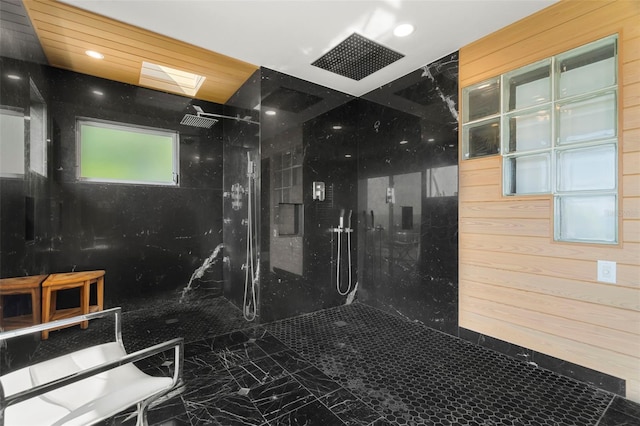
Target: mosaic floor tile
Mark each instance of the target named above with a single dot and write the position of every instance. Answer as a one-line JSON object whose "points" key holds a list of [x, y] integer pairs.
{"points": [[416, 375], [354, 365]]}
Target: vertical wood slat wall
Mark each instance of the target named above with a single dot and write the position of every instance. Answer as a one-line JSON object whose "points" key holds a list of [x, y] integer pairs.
{"points": [[516, 283]]}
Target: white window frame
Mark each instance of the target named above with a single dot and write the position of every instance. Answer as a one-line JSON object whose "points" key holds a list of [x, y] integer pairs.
{"points": [[134, 128]]}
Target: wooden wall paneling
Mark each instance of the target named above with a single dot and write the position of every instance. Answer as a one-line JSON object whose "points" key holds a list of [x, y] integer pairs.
{"points": [[583, 270], [631, 93], [521, 31], [540, 246], [631, 117], [525, 209], [631, 232], [614, 320], [616, 364], [631, 185], [516, 283], [631, 163], [492, 226], [592, 292], [479, 177], [561, 35], [62, 28], [598, 337], [480, 193], [631, 139]]}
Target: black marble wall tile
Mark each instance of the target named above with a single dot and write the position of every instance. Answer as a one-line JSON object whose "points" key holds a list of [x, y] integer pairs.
{"points": [[149, 239], [241, 140], [25, 203], [621, 412], [297, 270], [408, 244]]}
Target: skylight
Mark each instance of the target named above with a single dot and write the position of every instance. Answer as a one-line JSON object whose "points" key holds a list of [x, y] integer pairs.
{"points": [[170, 79]]}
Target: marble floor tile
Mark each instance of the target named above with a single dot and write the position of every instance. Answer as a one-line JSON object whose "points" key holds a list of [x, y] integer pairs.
{"points": [[316, 381], [350, 365], [311, 414], [349, 408], [291, 361], [256, 373], [279, 397]]}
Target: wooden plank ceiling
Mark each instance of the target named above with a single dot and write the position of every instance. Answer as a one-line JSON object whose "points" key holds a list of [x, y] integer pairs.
{"points": [[66, 33]]}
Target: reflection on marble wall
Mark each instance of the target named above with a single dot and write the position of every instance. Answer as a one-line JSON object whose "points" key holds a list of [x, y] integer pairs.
{"points": [[241, 140], [299, 145], [24, 204], [407, 199], [149, 239]]}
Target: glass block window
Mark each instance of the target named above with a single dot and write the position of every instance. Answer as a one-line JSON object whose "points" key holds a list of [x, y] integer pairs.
{"points": [[124, 153], [556, 127], [481, 119]]}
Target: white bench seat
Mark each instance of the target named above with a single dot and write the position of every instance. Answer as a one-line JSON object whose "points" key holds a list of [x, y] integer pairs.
{"points": [[89, 385]]}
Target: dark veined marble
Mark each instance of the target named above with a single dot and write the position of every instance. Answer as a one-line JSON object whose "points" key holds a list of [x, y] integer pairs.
{"points": [[349, 365]]}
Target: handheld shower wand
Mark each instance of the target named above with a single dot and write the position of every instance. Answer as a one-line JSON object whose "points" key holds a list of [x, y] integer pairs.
{"points": [[249, 308], [341, 229]]}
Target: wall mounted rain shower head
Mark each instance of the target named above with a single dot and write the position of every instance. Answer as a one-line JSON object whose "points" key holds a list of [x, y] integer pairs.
{"points": [[199, 120], [204, 119]]}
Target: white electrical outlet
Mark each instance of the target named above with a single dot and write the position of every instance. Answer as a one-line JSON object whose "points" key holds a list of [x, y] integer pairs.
{"points": [[606, 271]]}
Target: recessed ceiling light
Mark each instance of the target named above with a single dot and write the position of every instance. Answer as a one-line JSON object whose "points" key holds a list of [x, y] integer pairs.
{"points": [[337, 127], [404, 142], [403, 30], [430, 140], [14, 77], [97, 92], [94, 54], [270, 112], [347, 156]]}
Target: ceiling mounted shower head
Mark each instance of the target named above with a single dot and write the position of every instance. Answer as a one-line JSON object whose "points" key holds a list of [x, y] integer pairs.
{"points": [[356, 57], [198, 120]]}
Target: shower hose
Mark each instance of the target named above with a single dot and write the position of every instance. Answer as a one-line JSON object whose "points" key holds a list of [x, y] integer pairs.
{"points": [[249, 309], [340, 230]]}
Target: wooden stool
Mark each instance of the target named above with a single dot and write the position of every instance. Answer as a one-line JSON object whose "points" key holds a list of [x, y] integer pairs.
{"points": [[21, 285], [69, 280]]}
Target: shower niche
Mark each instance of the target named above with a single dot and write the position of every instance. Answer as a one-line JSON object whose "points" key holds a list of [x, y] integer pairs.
{"points": [[287, 250]]}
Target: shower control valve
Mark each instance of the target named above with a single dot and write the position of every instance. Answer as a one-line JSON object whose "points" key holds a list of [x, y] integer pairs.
{"points": [[237, 191]]}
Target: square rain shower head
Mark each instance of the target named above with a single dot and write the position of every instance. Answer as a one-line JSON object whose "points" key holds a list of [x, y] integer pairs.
{"points": [[357, 57]]}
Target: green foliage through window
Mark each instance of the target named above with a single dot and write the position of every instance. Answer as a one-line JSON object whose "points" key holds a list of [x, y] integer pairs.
{"points": [[113, 152]]}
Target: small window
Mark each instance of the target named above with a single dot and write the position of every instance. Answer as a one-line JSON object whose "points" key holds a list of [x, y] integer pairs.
{"points": [[11, 142], [125, 153], [37, 132]]}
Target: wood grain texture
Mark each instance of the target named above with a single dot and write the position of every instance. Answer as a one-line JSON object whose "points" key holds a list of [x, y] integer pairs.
{"points": [[571, 289], [516, 283], [66, 32]]}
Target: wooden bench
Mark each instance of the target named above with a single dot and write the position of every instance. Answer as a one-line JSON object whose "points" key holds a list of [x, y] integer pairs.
{"points": [[66, 281], [21, 285], [85, 386]]}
